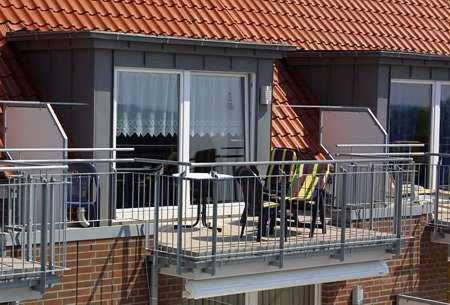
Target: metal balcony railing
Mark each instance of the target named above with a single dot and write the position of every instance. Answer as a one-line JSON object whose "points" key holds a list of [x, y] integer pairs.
{"points": [[32, 229], [214, 212], [198, 214]]}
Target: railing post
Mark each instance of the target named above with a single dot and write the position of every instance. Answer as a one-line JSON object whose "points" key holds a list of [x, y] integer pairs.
{"points": [[43, 251], [180, 221], [436, 196], [282, 219], [372, 195], [214, 226], [52, 223], [398, 208], [343, 214], [155, 261], [30, 205]]}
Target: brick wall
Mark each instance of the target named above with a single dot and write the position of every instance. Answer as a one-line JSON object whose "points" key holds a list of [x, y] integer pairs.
{"points": [[113, 271], [419, 270], [108, 271]]}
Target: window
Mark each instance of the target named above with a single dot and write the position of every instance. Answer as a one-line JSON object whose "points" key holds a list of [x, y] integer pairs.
{"points": [[410, 112], [419, 112], [182, 115], [147, 113], [179, 116]]}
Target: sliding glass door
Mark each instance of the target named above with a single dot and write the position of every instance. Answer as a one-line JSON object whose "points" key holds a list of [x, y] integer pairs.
{"points": [[181, 115], [410, 113], [217, 121], [419, 112]]}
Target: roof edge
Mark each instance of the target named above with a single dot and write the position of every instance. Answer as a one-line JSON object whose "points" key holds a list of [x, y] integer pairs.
{"points": [[173, 40], [369, 54]]}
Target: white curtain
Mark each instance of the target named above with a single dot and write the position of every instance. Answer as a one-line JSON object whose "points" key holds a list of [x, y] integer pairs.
{"points": [[217, 105], [147, 103]]}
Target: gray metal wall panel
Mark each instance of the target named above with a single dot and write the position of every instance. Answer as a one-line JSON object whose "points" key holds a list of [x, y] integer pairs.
{"points": [[420, 72], [129, 59], [217, 63], [60, 76], [365, 86], [159, 60], [383, 88], [38, 65], [264, 113], [189, 62], [400, 71], [244, 64], [342, 78], [440, 74], [80, 127]]}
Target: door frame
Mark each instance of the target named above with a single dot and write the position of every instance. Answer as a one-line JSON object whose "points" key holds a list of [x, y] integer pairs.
{"points": [[184, 120]]}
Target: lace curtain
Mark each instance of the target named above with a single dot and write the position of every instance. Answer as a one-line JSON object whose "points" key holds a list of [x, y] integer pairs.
{"points": [[217, 104], [148, 103]]}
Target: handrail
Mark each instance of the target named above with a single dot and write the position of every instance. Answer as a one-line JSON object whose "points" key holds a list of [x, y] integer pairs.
{"points": [[406, 154], [381, 145], [49, 161], [24, 168], [249, 163], [64, 149]]}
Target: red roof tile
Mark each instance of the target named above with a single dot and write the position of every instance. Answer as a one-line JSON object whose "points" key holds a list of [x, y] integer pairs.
{"points": [[421, 26], [294, 128]]}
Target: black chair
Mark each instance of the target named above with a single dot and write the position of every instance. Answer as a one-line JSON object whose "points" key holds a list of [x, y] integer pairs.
{"points": [[258, 203]]}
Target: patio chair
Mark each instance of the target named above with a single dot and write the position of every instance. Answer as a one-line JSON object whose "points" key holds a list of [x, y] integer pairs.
{"points": [[275, 171], [306, 190], [258, 203], [84, 192]]}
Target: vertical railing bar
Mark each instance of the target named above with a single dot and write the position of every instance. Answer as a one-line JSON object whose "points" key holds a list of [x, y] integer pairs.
{"points": [[436, 198], [214, 225], [343, 214], [52, 223], [372, 196], [155, 262], [180, 222], [30, 218], [283, 219], [43, 250]]}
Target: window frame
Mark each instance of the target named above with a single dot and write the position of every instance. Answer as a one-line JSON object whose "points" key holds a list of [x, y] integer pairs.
{"points": [[184, 124], [435, 120]]}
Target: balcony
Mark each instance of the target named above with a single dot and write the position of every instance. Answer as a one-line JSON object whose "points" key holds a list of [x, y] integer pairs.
{"points": [[32, 251], [297, 222]]}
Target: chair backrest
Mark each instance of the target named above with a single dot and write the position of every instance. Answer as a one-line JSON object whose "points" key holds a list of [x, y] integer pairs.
{"points": [[207, 156], [83, 187], [252, 190], [275, 171], [306, 178]]}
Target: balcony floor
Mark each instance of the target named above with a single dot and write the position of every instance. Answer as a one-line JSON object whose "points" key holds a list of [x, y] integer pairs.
{"points": [[14, 267], [197, 242]]}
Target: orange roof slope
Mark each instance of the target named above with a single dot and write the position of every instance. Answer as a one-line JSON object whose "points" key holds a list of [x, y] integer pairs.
{"points": [[294, 128], [421, 26]]}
